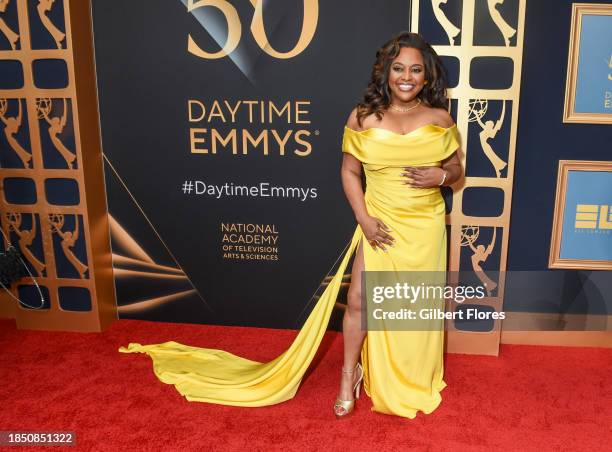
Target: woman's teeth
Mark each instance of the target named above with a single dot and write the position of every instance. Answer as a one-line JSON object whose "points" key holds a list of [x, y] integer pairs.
{"points": [[405, 87]]}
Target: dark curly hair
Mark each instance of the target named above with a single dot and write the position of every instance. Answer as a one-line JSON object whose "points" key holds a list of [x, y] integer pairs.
{"points": [[376, 98]]}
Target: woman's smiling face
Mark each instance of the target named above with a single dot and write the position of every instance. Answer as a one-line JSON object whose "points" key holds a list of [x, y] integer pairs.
{"points": [[406, 76]]}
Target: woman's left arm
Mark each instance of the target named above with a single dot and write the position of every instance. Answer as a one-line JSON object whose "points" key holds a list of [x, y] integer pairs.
{"points": [[452, 167], [448, 173]]}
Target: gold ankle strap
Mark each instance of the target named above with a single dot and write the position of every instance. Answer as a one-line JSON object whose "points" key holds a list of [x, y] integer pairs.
{"points": [[350, 371]]}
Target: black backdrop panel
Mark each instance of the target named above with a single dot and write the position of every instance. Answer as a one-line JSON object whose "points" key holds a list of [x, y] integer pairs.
{"points": [[146, 80]]}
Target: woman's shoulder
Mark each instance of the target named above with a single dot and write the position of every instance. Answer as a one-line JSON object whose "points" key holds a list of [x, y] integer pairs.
{"points": [[440, 117], [353, 122], [367, 121]]}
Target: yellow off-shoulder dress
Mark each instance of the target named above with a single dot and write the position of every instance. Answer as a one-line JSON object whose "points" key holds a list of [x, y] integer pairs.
{"points": [[403, 370]]}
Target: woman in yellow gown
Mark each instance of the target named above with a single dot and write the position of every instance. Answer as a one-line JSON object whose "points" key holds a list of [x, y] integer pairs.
{"points": [[405, 140]]}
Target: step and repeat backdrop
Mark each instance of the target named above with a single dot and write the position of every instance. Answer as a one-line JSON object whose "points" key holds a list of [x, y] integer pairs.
{"points": [[221, 129], [222, 126]]}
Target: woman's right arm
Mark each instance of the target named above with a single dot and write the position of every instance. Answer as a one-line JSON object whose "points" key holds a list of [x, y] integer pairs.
{"points": [[351, 183], [373, 228]]}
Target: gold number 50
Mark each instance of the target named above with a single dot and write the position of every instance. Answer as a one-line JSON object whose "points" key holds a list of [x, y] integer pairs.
{"points": [[309, 25]]}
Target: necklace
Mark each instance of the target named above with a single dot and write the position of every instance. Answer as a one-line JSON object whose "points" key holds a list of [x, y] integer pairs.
{"points": [[404, 109]]}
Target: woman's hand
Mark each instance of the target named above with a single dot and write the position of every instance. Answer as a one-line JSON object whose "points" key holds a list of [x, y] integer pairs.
{"points": [[424, 176], [376, 232]]}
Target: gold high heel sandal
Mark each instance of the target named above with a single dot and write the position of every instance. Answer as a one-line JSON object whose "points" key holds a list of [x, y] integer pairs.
{"points": [[349, 405]]}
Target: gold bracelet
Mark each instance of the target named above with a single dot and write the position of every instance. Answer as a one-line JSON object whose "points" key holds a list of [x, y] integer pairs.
{"points": [[443, 178]]}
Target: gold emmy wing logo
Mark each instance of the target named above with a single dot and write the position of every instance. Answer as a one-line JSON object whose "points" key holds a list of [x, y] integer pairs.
{"points": [[12, 124], [593, 216], [26, 238], [10, 35], [43, 7], [234, 29]]}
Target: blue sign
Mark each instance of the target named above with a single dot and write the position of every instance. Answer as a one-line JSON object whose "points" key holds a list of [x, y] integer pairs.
{"points": [[594, 75], [587, 218]]}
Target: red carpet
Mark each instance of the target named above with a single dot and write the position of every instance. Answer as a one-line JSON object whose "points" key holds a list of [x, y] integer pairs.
{"points": [[528, 398]]}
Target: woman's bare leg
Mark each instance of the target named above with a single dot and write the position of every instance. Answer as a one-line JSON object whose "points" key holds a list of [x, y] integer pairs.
{"points": [[351, 327]]}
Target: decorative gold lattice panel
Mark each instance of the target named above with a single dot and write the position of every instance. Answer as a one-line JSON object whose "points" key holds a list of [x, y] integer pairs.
{"points": [[52, 201]]}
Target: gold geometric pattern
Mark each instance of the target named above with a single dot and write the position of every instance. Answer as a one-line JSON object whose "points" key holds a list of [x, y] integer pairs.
{"points": [[134, 261], [46, 115], [471, 109]]}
